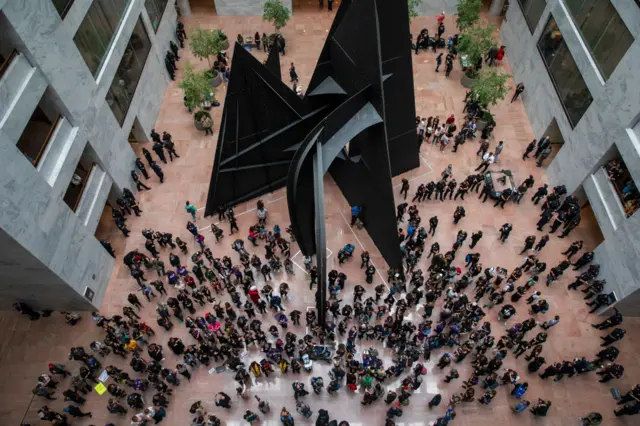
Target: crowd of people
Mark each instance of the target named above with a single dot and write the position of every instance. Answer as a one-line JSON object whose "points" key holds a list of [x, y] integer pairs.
{"points": [[240, 323]]}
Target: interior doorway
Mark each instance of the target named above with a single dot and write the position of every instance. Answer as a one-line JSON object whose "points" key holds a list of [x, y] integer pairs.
{"points": [[557, 140], [136, 134]]}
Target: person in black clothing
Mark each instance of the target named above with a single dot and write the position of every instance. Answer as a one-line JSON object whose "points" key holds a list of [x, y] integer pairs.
{"points": [[519, 90], [584, 260], [600, 301], [543, 242], [560, 219], [546, 217], [612, 321], [505, 231], [405, 188], [107, 246], [438, 62], [475, 237], [614, 336], [573, 249], [158, 171], [170, 147], [486, 191], [528, 243], [136, 179], [142, 168], [433, 224], [458, 214], [158, 148], [540, 193], [330, 5], [504, 197], [155, 136]]}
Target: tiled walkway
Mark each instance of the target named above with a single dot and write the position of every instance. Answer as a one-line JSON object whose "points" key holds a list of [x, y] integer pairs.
{"points": [[26, 347]]}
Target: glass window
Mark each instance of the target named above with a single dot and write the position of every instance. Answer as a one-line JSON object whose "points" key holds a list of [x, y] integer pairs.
{"points": [[124, 83], [96, 31], [62, 6], [532, 11], [602, 29], [565, 75], [155, 10]]}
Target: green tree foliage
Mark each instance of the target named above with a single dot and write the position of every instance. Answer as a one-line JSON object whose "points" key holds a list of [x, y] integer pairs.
{"points": [[475, 42], [413, 8], [206, 43], [468, 13], [196, 86], [276, 13], [490, 87]]}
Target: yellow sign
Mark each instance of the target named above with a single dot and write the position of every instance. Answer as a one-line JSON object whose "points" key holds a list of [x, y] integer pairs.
{"points": [[100, 388]]}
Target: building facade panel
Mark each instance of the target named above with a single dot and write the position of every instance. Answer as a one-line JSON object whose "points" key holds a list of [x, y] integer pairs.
{"points": [[58, 248]]}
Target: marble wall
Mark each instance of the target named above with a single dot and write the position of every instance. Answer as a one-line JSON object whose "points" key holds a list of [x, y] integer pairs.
{"points": [[435, 7], [608, 124], [243, 7], [59, 254]]}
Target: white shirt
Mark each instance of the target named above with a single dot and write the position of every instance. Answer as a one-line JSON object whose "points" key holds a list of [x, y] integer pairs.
{"points": [[422, 125]]}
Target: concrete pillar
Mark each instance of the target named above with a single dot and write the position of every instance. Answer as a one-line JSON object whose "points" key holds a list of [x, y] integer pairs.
{"points": [[496, 7], [185, 7]]}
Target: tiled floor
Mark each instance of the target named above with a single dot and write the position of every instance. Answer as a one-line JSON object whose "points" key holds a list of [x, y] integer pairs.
{"points": [[27, 347]]}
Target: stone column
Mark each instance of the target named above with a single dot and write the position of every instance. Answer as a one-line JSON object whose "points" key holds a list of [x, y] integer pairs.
{"points": [[185, 7], [496, 7]]}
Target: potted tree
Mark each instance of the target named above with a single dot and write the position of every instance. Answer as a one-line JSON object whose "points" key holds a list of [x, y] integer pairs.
{"points": [[276, 13], [413, 8], [475, 42], [224, 41], [488, 88], [207, 43], [468, 13], [198, 92]]}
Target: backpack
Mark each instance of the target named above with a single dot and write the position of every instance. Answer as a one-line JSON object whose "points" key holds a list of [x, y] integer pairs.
{"points": [[255, 369]]}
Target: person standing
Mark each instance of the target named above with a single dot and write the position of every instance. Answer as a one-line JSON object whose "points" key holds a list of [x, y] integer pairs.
{"points": [[207, 124], [543, 156], [540, 193], [405, 188], [449, 65], [158, 148], [293, 74], [139, 184], [321, 3], [438, 61], [497, 151], [157, 170], [487, 160], [505, 231], [519, 90], [545, 142], [142, 168], [529, 149], [528, 243], [190, 208], [169, 145], [330, 5]]}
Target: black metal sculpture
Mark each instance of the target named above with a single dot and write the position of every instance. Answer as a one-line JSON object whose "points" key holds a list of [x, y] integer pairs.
{"points": [[361, 94]]}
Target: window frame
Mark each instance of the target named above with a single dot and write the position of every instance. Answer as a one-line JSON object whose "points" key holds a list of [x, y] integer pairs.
{"points": [[114, 31], [532, 28], [552, 77], [140, 21], [160, 10], [65, 10], [592, 49]]}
